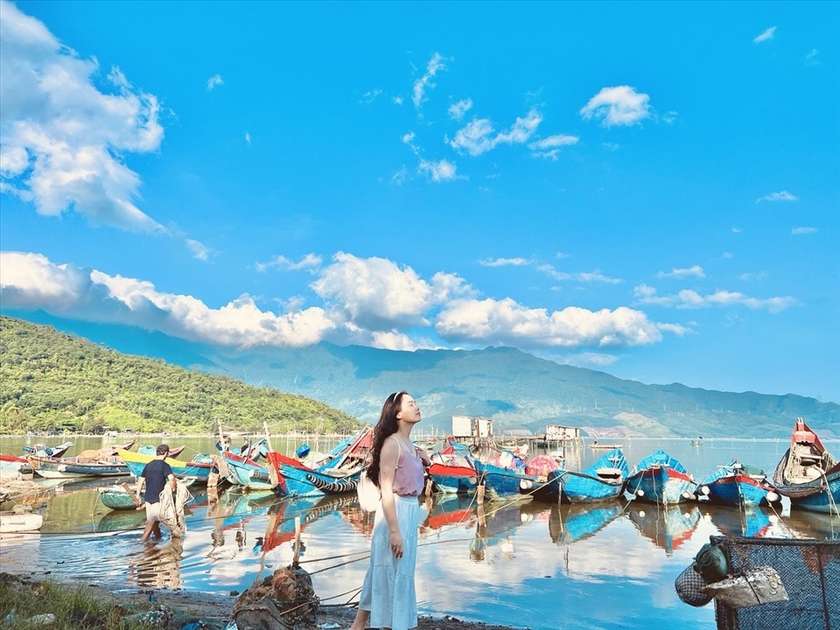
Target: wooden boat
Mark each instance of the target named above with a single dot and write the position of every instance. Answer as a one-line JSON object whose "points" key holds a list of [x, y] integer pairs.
{"points": [[40, 450], [602, 481], [504, 476], [121, 497], [808, 474], [15, 463], [12, 522], [659, 478], [245, 472], [111, 451], [737, 485], [452, 470], [87, 464], [151, 449], [199, 467]]}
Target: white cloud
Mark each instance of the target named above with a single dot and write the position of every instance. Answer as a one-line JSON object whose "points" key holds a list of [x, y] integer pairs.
{"points": [[32, 281], [309, 262], [370, 96], [580, 276], [479, 136], [420, 85], [803, 230], [198, 250], [592, 360], [214, 81], [688, 298], [550, 146], [64, 141], [248, 137], [811, 58], [694, 270], [504, 262], [376, 294], [441, 171], [619, 105], [457, 110], [765, 35], [506, 322], [778, 196]]}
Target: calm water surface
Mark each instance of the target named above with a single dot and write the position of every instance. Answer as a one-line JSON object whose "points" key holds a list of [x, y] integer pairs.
{"points": [[524, 564]]}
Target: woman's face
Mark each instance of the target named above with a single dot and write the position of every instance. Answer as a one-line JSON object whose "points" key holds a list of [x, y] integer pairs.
{"points": [[409, 410]]}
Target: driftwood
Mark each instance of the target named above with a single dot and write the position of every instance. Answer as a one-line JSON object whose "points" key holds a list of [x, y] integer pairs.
{"points": [[284, 599]]}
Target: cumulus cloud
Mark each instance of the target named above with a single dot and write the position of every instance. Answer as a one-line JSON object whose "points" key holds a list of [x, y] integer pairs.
{"points": [[214, 81], [506, 322], [30, 281], [803, 230], [694, 270], [479, 136], [309, 262], [376, 294], [550, 146], [441, 171], [63, 140], [765, 35], [688, 298], [423, 83], [778, 196], [619, 105], [457, 110]]}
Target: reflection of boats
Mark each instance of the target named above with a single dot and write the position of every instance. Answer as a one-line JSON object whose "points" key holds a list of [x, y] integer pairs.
{"points": [[281, 523], [659, 478], [449, 509], [87, 464], [569, 523], [602, 481], [808, 474], [737, 485], [752, 522], [667, 527], [121, 520], [199, 469], [12, 522]]}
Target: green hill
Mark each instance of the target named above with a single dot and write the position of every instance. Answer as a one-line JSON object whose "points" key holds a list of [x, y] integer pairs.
{"points": [[51, 380]]}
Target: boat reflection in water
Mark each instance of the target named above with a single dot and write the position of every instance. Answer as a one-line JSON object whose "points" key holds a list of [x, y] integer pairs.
{"points": [[570, 523], [668, 528], [754, 522]]}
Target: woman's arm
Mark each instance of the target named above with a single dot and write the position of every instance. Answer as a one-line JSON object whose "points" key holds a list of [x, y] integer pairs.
{"points": [[388, 459]]}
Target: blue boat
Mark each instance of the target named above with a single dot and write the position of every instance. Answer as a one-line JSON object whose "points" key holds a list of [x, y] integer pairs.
{"points": [[659, 478], [503, 476], [602, 481], [738, 485], [808, 474], [245, 472]]}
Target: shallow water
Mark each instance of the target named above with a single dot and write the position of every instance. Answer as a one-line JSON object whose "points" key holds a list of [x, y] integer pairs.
{"points": [[519, 563]]}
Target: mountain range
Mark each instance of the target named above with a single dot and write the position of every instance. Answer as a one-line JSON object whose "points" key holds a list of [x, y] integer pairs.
{"points": [[518, 391]]}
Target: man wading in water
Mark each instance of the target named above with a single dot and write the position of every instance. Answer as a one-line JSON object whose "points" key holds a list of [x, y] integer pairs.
{"points": [[155, 475]]}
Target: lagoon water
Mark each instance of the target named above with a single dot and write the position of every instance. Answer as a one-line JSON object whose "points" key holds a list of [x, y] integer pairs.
{"points": [[524, 564]]}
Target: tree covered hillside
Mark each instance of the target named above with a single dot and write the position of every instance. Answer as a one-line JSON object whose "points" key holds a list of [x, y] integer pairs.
{"points": [[51, 380]]}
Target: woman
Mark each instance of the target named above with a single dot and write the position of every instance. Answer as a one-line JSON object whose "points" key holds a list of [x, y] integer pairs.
{"points": [[388, 599]]}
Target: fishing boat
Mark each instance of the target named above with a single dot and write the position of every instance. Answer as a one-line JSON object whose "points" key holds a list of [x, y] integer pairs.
{"points": [[737, 485], [15, 464], [151, 449], [199, 467], [40, 450], [659, 478], [452, 470], [340, 472], [602, 481], [121, 497], [12, 522], [86, 464], [111, 450], [244, 471], [808, 474], [504, 476]]}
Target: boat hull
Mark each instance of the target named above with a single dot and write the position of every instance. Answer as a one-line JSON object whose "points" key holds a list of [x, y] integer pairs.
{"points": [[503, 482], [247, 473], [740, 490], [200, 470], [453, 479], [13, 523]]}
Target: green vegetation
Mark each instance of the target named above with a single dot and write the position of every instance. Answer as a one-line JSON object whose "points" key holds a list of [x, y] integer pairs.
{"points": [[54, 381]]}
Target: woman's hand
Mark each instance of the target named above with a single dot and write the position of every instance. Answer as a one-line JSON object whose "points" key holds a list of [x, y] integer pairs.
{"points": [[396, 544]]}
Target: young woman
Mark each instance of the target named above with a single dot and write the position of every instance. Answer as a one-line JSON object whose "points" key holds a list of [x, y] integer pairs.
{"points": [[388, 599]]}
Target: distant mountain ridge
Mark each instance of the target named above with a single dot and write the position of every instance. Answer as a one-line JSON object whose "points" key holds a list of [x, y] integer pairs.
{"points": [[517, 390]]}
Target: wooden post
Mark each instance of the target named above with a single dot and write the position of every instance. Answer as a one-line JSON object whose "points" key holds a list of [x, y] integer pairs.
{"points": [[479, 494], [297, 542]]}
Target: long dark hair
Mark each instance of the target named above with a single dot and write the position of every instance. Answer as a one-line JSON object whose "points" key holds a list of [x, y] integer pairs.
{"points": [[386, 427]]}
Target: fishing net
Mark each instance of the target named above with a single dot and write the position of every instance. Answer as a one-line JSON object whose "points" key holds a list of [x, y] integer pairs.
{"points": [[809, 571]]}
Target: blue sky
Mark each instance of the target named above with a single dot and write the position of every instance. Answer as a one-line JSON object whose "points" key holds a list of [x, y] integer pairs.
{"points": [[647, 189]]}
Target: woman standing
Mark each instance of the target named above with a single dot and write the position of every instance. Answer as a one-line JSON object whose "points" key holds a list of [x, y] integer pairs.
{"points": [[388, 599]]}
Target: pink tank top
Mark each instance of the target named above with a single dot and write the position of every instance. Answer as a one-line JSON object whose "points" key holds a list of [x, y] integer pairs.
{"points": [[409, 477]]}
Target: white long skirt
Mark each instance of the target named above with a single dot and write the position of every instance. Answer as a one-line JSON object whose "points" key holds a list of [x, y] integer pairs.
{"points": [[388, 589]]}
